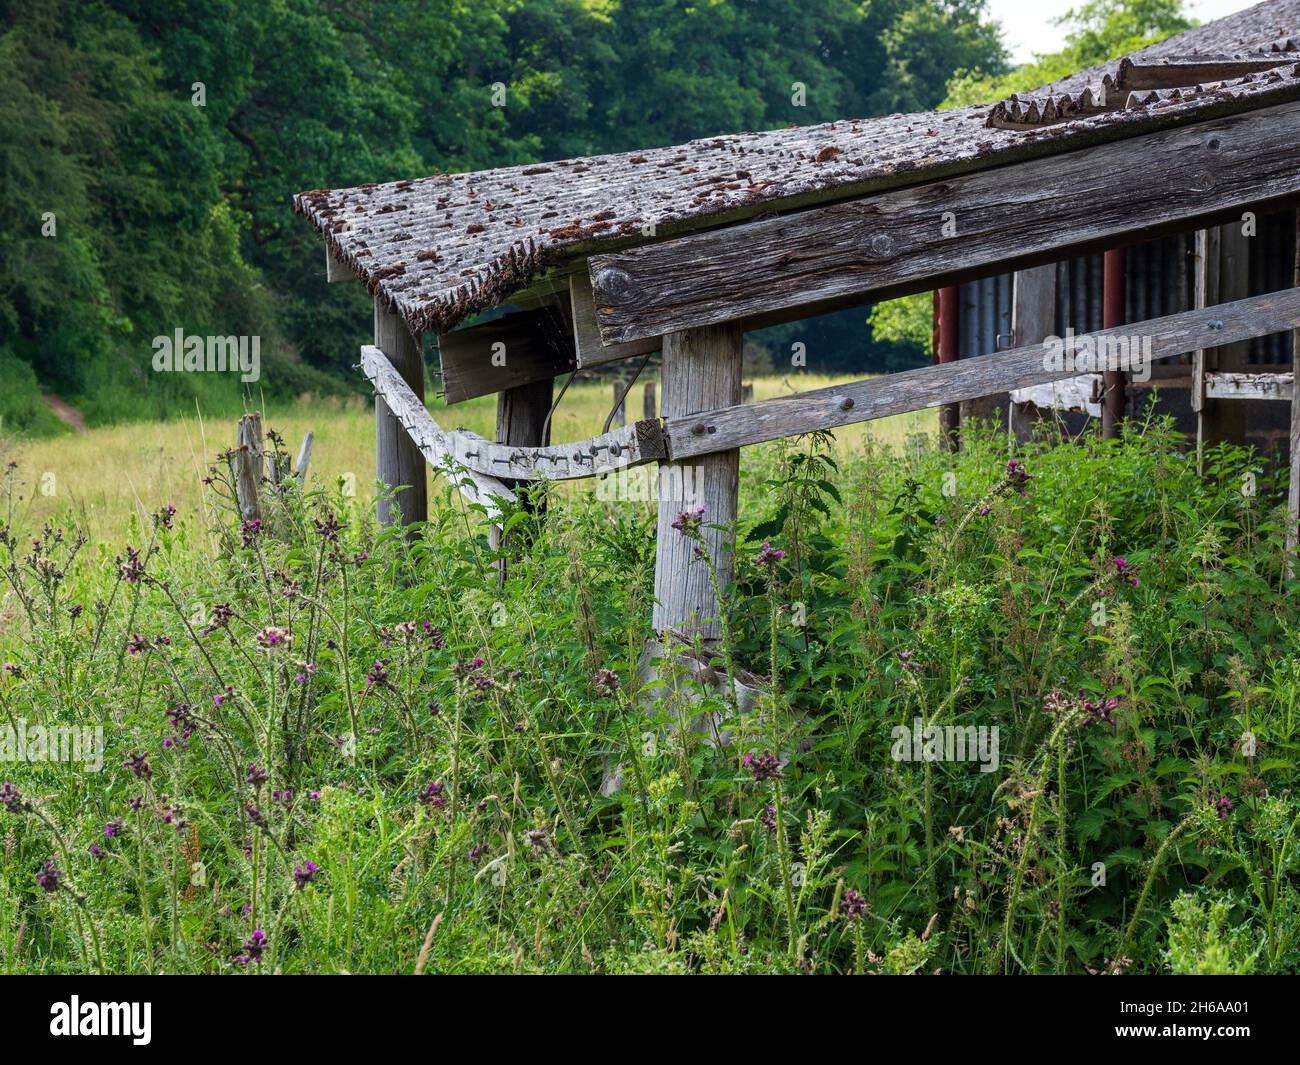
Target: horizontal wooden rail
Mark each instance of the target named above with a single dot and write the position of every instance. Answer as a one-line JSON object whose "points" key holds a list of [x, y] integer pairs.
{"points": [[946, 231], [1003, 371], [825, 408], [630, 445], [433, 443], [1249, 385]]}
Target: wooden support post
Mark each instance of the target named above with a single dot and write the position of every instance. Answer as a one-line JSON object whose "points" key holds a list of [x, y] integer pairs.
{"points": [[1222, 275], [949, 413], [1293, 492], [701, 372], [397, 459], [1114, 383], [250, 465], [521, 421], [648, 403], [1033, 319], [304, 458]]}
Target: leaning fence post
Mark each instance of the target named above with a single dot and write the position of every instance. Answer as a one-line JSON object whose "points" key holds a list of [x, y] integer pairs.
{"points": [[250, 464], [648, 402], [304, 458]]}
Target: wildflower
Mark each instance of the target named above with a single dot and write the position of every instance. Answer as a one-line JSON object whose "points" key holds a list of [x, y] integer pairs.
{"points": [[854, 905], [765, 766], [14, 670], [139, 765], [329, 529], [133, 568], [434, 709], [537, 839], [135, 802], [906, 659], [1017, 475], [255, 815], [475, 853], [304, 874], [689, 521], [221, 615], [253, 948], [163, 519], [250, 530], [256, 775], [1125, 572], [136, 644], [12, 799], [1099, 712], [767, 819], [605, 682], [1223, 807], [96, 851], [432, 795], [769, 556], [49, 878], [274, 638], [112, 829]]}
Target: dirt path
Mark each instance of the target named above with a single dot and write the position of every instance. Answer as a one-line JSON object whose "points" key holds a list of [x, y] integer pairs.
{"points": [[65, 412]]}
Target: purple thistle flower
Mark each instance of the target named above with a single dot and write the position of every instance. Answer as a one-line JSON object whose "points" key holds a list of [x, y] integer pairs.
{"points": [[605, 682], [112, 829], [689, 521], [765, 766], [304, 874], [432, 795], [49, 878], [769, 556], [253, 948], [12, 799], [854, 905], [139, 765]]}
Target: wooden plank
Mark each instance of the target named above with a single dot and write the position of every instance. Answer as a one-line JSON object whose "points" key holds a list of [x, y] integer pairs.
{"points": [[1182, 71], [648, 407], [1019, 215], [427, 436], [335, 268], [304, 458], [397, 460], [1249, 386], [630, 445], [1033, 317], [930, 386], [701, 370], [1293, 490], [508, 352], [589, 348]]}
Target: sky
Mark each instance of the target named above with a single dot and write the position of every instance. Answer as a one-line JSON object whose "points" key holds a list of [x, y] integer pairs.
{"points": [[1027, 24]]}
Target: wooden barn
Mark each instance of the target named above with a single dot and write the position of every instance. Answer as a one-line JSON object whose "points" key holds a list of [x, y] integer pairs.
{"points": [[1147, 205]]}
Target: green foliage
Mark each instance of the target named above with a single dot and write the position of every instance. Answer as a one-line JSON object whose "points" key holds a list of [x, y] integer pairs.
{"points": [[445, 742], [1098, 31]]}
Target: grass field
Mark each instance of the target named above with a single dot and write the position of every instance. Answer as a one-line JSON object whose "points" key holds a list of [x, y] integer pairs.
{"points": [[95, 480]]}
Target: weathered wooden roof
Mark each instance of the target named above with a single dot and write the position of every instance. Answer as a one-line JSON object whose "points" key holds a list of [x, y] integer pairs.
{"points": [[440, 249]]}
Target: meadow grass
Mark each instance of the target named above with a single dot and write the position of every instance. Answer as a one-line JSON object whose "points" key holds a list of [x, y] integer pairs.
{"points": [[95, 480], [1027, 716]]}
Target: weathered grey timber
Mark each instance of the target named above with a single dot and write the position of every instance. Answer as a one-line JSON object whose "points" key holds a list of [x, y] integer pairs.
{"points": [[1033, 317], [894, 243], [441, 248], [1249, 386], [513, 350], [701, 371], [930, 386], [630, 445], [304, 458], [398, 459], [1293, 492], [590, 349], [250, 465], [426, 435]]}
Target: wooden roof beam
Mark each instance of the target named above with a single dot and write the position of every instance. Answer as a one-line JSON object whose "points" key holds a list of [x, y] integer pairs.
{"points": [[1022, 214]]}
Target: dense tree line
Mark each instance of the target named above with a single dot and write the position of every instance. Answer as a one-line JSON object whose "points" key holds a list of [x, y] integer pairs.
{"points": [[149, 148]]}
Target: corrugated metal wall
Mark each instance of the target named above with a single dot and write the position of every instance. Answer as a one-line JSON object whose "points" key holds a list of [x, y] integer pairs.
{"points": [[1160, 276]]}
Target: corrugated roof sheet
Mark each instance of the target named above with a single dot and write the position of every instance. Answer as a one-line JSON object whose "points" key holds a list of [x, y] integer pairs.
{"points": [[440, 249]]}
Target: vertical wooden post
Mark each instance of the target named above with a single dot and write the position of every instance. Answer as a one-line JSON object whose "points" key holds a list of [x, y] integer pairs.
{"points": [[648, 403], [1033, 319], [701, 371], [250, 464], [1222, 275], [1114, 396], [398, 460], [521, 420], [946, 351], [1293, 492]]}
